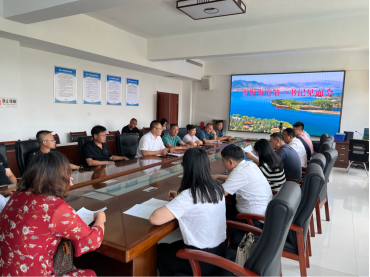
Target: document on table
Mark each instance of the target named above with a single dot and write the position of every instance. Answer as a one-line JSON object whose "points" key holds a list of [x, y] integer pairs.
{"points": [[98, 196], [144, 210], [217, 142], [177, 155], [249, 149], [87, 216]]}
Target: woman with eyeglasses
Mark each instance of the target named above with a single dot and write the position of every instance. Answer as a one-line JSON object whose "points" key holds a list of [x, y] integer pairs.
{"points": [[36, 218], [199, 206]]}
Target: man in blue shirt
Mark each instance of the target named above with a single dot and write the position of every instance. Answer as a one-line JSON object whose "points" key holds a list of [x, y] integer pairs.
{"points": [[172, 140], [208, 134], [218, 128]]}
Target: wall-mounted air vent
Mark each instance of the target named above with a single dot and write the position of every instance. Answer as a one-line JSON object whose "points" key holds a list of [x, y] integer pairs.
{"points": [[194, 63]]}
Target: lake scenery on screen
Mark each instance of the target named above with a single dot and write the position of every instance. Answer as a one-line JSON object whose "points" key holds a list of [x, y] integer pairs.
{"points": [[259, 103]]}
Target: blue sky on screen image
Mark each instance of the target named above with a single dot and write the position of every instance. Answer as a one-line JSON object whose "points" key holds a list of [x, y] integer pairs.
{"points": [[259, 103]]}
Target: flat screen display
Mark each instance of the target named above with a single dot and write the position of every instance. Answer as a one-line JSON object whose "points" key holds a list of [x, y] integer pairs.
{"points": [[259, 103]]}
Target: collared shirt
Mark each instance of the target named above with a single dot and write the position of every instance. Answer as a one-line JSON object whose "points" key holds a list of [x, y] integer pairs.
{"points": [[219, 134], [291, 161], [253, 192], [297, 145], [204, 135], [149, 143], [307, 140], [126, 130], [188, 138], [92, 151], [174, 141], [35, 152], [4, 180], [307, 134]]}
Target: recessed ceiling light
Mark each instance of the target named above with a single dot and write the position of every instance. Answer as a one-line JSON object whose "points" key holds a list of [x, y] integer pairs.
{"points": [[211, 10]]}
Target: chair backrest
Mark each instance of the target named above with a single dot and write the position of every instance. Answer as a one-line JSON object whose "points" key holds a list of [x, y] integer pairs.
{"points": [[182, 132], [57, 139], [323, 138], [358, 150], [312, 185], [76, 135], [197, 133], [266, 257], [22, 150], [143, 133], [114, 132], [110, 136], [81, 144], [3, 151], [127, 145], [165, 132], [331, 156], [325, 146], [319, 159]]}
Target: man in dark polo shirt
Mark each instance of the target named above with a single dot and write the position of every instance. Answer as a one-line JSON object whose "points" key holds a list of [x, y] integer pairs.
{"points": [[290, 158], [6, 175], [97, 151], [131, 128], [47, 144]]}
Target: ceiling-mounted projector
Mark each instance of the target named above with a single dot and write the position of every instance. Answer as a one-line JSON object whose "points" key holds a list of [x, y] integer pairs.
{"points": [[202, 9]]}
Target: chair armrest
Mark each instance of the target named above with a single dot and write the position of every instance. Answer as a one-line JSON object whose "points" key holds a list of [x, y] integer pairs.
{"points": [[250, 217], [196, 256], [244, 227], [296, 228]]}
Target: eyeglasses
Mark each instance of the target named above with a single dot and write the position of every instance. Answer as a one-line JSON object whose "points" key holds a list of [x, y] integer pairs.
{"points": [[49, 140], [159, 128]]}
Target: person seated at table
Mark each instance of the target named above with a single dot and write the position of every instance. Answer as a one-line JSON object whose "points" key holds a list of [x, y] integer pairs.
{"points": [[290, 158], [218, 129], [172, 140], [5, 196], [190, 137], [208, 134], [131, 128], [6, 175], [270, 164], [298, 128], [97, 151], [296, 144], [164, 123], [246, 181], [36, 218], [47, 144], [199, 206], [151, 144]]}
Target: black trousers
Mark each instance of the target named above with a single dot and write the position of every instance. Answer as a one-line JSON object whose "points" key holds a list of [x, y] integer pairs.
{"points": [[169, 264]]}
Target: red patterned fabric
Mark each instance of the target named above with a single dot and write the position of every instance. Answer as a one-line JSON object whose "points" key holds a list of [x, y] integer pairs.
{"points": [[31, 228]]}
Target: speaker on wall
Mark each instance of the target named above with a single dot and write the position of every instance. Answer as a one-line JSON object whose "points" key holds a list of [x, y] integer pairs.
{"points": [[349, 135], [206, 83]]}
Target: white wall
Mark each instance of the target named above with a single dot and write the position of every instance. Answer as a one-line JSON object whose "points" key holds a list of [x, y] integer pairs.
{"points": [[32, 70], [208, 105]]}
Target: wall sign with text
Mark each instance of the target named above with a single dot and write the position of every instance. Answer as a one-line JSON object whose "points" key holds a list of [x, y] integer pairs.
{"points": [[132, 92], [65, 85], [8, 102], [91, 88], [114, 90]]}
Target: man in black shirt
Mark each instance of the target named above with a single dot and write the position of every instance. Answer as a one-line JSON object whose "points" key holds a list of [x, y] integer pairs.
{"points": [[6, 175], [97, 151], [131, 128], [47, 144]]}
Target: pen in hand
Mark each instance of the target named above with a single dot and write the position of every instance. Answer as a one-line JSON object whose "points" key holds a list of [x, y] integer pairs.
{"points": [[171, 195]]}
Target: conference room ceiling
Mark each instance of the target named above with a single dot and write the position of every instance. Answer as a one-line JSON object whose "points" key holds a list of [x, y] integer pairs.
{"points": [[160, 18]]}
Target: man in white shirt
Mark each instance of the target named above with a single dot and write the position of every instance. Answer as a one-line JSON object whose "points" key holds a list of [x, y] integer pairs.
{"points": [[151, 144], [296, 144], [245, 179]]}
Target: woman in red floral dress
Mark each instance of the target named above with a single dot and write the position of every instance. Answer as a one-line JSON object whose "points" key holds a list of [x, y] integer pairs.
{"points": [[36, 218]]}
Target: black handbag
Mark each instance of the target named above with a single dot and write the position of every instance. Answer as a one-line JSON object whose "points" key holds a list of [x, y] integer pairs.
{"points": [[63, 258]]}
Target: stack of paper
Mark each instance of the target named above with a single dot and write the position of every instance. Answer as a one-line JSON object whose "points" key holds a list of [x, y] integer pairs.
{"points": [[249, 149], [145, 209], [88, 216]]}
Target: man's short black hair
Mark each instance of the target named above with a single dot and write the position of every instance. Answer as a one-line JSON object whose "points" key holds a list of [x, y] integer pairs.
{"points": [[40, 136], [174, 125], [154, 124], [96, 130], [299, 125], [232, 152], [219, 121], [277, 135], [290, 132], [133, 119]]}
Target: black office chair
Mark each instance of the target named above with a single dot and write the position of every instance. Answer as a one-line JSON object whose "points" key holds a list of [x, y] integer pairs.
{"points": [[326, 146], [22, 150], [57, 139], [143, 133], [3, 151], [358, 153], [317, 145], [165, 132], [266, 257], [127, 145], [182, 132], [76, 135], [82, 141], [197, 133]]}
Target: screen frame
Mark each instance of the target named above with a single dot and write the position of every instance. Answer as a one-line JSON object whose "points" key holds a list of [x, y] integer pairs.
{"points": [[231, 86]]}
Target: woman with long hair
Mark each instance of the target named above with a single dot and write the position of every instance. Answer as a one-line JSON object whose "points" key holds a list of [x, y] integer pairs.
{"points": [[36, 218], [199, 206], [270, 163], [164, 123], [190, 137]]}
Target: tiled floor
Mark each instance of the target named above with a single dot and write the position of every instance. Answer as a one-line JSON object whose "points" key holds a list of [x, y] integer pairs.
{"points": [[343, 247]]}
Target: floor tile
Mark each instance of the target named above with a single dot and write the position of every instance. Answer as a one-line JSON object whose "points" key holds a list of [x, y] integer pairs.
{"points": [[362, 244]]}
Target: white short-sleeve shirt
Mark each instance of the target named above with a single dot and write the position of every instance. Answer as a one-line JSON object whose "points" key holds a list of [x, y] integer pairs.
{"points": [[253, 191], [298, 146], [3, 201], [188, 138], [149, 143], [201, 225]]}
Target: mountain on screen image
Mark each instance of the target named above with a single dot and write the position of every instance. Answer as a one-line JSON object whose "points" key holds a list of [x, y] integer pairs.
{"points": [[259, 103]]}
